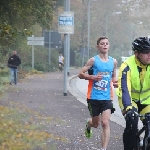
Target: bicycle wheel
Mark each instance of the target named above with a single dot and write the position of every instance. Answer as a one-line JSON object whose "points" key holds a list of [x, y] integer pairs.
{"points": [[137, 144]]}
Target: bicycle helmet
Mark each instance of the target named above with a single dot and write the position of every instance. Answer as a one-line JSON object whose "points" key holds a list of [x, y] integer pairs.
{"points": [[141, 44]]}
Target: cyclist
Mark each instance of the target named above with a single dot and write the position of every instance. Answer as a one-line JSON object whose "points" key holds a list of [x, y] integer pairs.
{"points": [[134, 88], [60, 61]]}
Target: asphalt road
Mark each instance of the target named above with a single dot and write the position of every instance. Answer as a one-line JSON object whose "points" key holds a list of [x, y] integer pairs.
{"points": [[78, 87], [64, 116]]}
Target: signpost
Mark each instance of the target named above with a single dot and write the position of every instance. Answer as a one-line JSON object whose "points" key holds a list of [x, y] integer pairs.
{"points": [[34, 41], [52, 39], [66, 23], [66, 27], [55, 39]]}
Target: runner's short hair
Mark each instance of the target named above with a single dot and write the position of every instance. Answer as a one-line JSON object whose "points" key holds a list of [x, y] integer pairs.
{"points": [[101, 38]]}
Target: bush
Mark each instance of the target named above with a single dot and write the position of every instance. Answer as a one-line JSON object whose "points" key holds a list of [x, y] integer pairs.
{"points": [[4, 71], [4, 75]]}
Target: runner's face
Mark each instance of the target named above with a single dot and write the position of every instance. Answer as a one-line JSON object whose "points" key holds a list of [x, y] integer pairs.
{"points": [[103, 46], [144, 57]]}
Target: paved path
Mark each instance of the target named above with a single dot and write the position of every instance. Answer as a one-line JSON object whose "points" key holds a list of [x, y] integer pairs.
{"points": [[78, 87], [43, 95]]}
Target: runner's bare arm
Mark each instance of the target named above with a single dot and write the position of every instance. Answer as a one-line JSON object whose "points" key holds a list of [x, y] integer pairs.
{"points": [[114, 78], [114, 71], [88, 65], [84, 75]]}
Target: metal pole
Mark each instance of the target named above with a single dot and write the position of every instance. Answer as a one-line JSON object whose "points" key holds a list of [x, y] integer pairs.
{"points": [[106, 26], [83, 57], [32, 54], [65, 64], [49, 48], [68, 9], [88, 46], [66, 2], [68, 54]]}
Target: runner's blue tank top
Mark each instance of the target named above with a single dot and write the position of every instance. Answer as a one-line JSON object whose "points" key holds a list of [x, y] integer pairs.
{"points": [[100, 90]]}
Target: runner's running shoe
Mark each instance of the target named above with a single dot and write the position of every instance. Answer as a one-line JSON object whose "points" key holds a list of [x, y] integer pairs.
{"points": [[88, 131]]}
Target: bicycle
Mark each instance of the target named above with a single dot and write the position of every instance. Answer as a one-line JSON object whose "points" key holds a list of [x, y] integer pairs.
{"points": [[146, 129]]}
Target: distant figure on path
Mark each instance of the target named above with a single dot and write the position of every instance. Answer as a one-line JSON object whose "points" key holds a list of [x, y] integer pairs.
{"points": [[13, 62], [61, 62]]}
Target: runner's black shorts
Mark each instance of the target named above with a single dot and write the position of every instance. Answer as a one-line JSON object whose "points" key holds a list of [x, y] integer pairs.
{"points": [[96, 107], [60, 63]]}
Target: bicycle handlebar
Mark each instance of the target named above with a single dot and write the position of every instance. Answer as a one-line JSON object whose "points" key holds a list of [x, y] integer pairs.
{"points": [[145, 115]]}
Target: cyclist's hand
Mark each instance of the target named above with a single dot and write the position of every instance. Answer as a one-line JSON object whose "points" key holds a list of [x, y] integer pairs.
{"points": [[130, 115], [126, 109]]}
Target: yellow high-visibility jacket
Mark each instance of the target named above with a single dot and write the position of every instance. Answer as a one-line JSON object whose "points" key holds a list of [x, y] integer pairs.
{"points": [[133, 82]]}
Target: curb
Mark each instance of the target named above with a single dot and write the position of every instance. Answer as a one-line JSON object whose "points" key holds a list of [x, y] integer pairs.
{"points": [[80, 97], [75, 92]]}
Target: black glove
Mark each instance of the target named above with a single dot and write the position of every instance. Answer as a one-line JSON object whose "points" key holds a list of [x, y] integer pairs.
{"points": [[131, 115], [112, 109], [131, 118]]}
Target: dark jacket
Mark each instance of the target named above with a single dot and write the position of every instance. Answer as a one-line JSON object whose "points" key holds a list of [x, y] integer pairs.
{"points": [[14, 61]]}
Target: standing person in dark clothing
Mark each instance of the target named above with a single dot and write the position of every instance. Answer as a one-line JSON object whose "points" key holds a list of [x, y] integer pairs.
{"points": [[13, 62]]}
